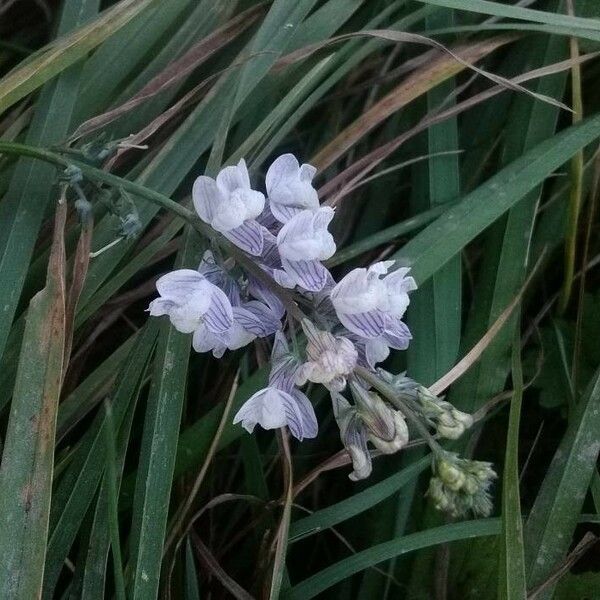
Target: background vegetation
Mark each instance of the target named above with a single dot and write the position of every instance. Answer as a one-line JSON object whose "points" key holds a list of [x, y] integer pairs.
{"points": [[122, 474]]}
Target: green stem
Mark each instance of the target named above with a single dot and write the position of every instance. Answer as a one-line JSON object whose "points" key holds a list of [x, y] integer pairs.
{"points": [[164, 202]]}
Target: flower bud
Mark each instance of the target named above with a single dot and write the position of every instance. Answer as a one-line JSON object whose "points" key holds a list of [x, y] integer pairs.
{"points": [[386, 427], [353, 436], [460, 485], [451, 476]]}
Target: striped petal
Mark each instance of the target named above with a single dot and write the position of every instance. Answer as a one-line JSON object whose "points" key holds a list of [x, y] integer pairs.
{"points": [[397, 334], [308, 274], [257, 318], [219, 316], [248, 236], [368, 325]]}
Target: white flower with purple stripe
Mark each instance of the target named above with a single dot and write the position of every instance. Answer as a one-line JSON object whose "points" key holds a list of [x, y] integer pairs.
{"points": [[303, 243], [370, 303], [230, 206], [289, 188], [280, 404], [191, 301], [330, 358]]}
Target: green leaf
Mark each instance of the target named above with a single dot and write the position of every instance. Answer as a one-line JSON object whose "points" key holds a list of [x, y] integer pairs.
{"points": [[512, 585], [159, 444], [323, 580], [30, 190], [440, 241], [67, 49], [28, 457], [556, 510], [357, 503], [517, 12], [77, 488]]}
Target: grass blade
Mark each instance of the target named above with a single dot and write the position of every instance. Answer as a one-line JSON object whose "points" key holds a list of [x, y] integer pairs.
{"points": [[323, 580], [65, 51], [28, 458], [451, 232], [511, 582], [29, 193], [357, 503], [496, 9], [556, 510]]}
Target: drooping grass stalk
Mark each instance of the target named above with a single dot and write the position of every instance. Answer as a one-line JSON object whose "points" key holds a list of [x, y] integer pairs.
{"points": [[576, 171]]}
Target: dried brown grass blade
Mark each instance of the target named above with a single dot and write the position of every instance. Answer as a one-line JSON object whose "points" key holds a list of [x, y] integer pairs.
{"points": [[463, 365], [211, 563], [348, 179], [176, 70], [440, 68], [81, 263]]}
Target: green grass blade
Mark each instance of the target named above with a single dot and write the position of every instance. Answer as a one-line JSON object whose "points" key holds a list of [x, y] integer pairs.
{"points": [[323, 580], [357, 503], [110, 476], [497, 9], [67, 49], [100, 539], [192, 592], [159, 444], [28, 457], [27, 199], [79, 484], [511, 582], [551, 523], [431, 249]]}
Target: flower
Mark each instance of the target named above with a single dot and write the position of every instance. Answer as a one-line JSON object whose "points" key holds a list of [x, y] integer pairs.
{"points": [[353, 436], [450, 422], [272, 408], [461, 485], [302, 243], [386, 427], [330, 358], [289, 188], [280, 404], [372, 306], [191, 301], [230, 206]]}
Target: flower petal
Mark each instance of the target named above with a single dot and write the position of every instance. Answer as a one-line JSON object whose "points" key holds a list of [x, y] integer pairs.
{"points": [[376, 351], [308, 420], [257, 318], [249, 237], [282, 168], [204, 340], [234, 177], [178, 285], [219, 316], [308, 274], [207, 198], [397, 334], [368, 325]]}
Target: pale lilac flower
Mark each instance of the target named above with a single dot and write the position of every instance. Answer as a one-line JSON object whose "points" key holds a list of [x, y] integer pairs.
{"points": [[303, 243], [230, 206], [280, 404], [370, 303], [289, 188], [250, 318], [353, 436], [330, 358], [191, 301]]}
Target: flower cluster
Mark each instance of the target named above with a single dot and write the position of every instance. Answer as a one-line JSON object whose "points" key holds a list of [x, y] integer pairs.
{"points": [[460, 485], [336, 334]]}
